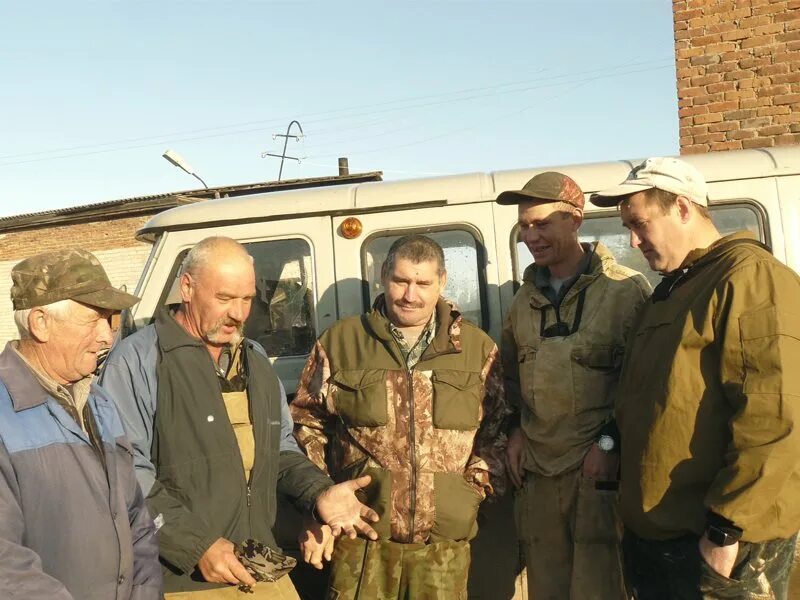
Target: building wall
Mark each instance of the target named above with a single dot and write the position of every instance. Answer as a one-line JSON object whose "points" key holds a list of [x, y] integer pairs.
{"points": [[112, 242], [738, 73]]}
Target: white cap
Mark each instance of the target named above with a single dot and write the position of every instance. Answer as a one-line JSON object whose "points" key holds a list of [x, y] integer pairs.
{"points": [[668, 174]]}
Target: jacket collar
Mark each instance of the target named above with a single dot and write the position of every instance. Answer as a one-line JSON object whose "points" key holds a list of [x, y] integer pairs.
{"points": [[21, 382], [701, 256], [448, 327], [171, 334]]}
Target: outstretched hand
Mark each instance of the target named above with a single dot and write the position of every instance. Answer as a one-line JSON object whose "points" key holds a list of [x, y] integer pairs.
{"points": [[344, 513], [316, 543]]}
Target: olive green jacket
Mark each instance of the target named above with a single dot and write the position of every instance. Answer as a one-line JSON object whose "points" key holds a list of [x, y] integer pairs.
{"points": [[709, 399], [432, 437], [562, 387]]}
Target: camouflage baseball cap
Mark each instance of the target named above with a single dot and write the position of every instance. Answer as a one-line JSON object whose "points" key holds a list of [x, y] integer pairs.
{"points": [[70, 274], [545, 188]]}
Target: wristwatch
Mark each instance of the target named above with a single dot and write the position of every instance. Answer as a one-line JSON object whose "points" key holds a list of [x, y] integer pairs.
{"points": [[606, 443], [722, 537]]}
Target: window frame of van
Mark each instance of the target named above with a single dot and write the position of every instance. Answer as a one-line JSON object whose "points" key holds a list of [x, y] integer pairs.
{"points": [[480, 251], [749, 203]]}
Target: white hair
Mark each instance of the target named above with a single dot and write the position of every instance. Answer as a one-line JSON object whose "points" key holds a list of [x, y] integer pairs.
{"points": [[59, 310]]}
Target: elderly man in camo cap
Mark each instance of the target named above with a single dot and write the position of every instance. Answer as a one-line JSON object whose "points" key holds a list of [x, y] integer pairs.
{"points": [[73, 522], [562, 347]]}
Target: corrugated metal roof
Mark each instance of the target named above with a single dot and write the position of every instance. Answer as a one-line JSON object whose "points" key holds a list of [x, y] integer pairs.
{"points": [[140, 205]]}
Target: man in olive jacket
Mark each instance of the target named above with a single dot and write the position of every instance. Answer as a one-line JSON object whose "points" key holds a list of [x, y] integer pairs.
{"points": [[562, 350], [708, 402], [411, 394], [212, 434]]}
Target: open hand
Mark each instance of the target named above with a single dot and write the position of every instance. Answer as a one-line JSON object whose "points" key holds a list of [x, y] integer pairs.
{"points": [[342, 511], [316, 543]]}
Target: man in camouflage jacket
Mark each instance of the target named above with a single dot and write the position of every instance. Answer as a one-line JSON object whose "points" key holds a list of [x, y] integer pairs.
{"points": [[412, 395]]}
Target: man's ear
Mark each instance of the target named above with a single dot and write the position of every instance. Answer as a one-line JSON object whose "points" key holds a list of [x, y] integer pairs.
{"points": [[443, 280], [684, 206], [577, 218], [186, 287], [39, 323]]}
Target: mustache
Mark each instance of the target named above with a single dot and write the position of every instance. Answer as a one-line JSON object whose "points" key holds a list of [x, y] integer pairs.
{"points": [[403, 304]]}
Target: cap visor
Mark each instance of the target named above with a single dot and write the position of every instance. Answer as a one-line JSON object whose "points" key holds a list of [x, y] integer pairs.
{"points": [[614, 196], [517, 196], [110, 298]]}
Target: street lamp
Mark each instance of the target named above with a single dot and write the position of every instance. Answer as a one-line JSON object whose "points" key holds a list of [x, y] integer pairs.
{"points": [[177, 160]]}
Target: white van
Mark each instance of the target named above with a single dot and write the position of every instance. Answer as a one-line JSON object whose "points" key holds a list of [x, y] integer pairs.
{"points": [[318, 254], [309, 274]]}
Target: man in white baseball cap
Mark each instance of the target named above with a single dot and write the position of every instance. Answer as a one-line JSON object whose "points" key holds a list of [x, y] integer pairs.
{"points": [[707, 401]]}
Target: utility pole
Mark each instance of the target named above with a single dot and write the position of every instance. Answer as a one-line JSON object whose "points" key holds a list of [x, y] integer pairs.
{"points": [[285, 137]]}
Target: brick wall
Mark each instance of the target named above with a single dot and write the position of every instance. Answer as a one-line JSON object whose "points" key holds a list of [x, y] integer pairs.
{"points": [[738, 73], [111, 241]]}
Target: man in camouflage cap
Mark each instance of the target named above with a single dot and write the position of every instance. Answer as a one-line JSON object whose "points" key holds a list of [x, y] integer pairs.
{"points": [[73, 523], [561, 346], [411, 394]]}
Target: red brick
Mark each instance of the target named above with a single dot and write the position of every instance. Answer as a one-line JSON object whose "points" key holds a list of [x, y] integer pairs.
{"points": [[772, 28], [754, 102], [773, 90], [789, 36], [684, 102], [755, 82], [708, 118], [777, 69], [688, 72], [791, 117], [736, 55], [794, 127], [761, 142], [708, 99], [706, 79], [698, 129], [723, 126], [692, 92], [788, 78], [793, 46], [734, 35], [771, 50], [717, 107], [685, 121], [681, 26], [792, 58], [704, 21], [786, 99], [793, 4], [711, 137], [688, 52], [686, 15], [692, 110], [755, 21], [770, 9], [740, 74], [730, 145], [767, 111], [787, 15], [758, 41], [773, 130], [706, 59], [722, 28], [721, 47], [788, 139], [755, 122], [753, 62], [742, 134], [737, 115], [695, 149], [722, 86]]}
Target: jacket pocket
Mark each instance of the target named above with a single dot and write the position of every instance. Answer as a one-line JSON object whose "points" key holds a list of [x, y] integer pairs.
{"points": [[360, 398], [378, 496], [456, 504], [456, 399], [595, 369]]}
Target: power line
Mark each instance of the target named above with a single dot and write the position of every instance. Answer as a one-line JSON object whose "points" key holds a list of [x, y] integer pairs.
{"points": [[159, 140]]}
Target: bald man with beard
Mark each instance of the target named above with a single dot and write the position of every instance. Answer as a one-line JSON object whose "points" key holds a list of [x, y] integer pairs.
{"points": [[212, 435]]}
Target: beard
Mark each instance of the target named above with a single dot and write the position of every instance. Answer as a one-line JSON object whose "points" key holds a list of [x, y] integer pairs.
{"points": [[215, 335]]}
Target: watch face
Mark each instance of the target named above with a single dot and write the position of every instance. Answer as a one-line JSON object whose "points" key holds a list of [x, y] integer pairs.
{"points": [[606, 443]]}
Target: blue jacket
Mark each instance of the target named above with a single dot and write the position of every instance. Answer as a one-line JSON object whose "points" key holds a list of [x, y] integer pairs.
{"points": [[71, 527]]}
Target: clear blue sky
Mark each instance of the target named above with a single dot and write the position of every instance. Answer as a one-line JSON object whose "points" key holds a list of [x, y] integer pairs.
{"points": [[91, 93]]}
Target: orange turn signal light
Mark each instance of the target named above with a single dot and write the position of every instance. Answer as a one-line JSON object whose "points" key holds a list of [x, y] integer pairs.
{"points": [[351, 228]]}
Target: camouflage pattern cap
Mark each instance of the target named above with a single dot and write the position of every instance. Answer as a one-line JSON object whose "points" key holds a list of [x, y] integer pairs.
{"points": [[70, 274], [544, 188]]}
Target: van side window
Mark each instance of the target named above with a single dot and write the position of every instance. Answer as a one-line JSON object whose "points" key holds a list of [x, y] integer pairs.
{"points": [[608, 229], [282, 313], [464, 259]]}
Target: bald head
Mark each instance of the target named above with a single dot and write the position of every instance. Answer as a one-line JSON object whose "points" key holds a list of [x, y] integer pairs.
{"points": [[212, 251]]}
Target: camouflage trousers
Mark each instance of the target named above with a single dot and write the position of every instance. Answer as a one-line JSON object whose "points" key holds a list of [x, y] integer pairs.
{"points": [[569, 534], [386, 570], [675, 570]]}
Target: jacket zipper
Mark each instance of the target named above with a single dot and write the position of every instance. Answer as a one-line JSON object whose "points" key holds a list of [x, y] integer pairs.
{"points": [[413, 451]]}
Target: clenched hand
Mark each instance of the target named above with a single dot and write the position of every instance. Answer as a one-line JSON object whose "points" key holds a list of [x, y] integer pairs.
{"points": [[220, 565]]}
